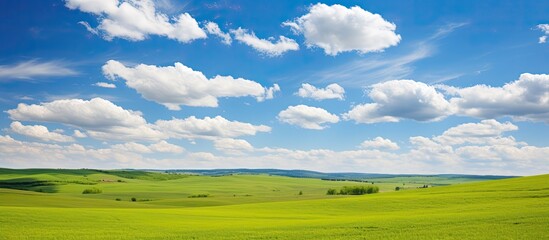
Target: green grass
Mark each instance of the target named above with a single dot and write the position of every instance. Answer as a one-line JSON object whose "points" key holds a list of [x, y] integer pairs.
{"points": [[515, 208]]}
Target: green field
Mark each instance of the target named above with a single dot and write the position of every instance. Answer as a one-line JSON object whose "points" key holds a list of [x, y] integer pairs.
{"points": [[49, 204]]}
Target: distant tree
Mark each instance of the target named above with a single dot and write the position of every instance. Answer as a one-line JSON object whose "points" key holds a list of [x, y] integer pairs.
{"points": [[300, 192], [397, 188], [134, 199], [118, 199], [92, 191], [331, 191]]}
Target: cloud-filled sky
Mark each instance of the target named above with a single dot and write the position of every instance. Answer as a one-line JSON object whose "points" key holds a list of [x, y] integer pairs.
{"points": [[336, 86]]}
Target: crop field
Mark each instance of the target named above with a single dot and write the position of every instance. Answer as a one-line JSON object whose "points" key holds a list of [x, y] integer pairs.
{"points": [[50, 204]]}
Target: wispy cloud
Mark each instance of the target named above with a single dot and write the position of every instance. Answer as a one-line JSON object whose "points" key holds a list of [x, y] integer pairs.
{"points": [[31, 69], [367, 71]]}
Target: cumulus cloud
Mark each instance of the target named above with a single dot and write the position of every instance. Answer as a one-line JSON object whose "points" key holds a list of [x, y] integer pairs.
{"points": [[39, 132], [165, 147], [159, 147], [524, 99], [213, 28], [338, 29], [208, 128], [177, 85], [104, 85], [486, 132], [232, 146], [397, 99], [307, 117], [380, 143], [33, 69], [101, 118], [136, 20], [332, 91], [265, 46]]}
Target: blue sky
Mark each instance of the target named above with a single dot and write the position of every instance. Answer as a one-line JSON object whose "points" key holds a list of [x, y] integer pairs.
{"points": [[364, 86]]}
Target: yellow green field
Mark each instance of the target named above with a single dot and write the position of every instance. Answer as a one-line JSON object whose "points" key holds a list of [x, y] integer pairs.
{"points": [[264, 207]]}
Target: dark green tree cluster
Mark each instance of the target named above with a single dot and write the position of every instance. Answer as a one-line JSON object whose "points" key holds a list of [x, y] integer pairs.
{"points": [[354, 190], [92, 191]]}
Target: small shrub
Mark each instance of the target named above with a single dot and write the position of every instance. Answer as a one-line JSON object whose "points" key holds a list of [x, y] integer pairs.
{"points": [[118, 199], [331, 191], [300, 192], [134, 199], [92, 191], [397, 188]]}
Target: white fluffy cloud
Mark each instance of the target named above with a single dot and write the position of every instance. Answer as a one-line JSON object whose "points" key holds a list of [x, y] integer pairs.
{"points": [[101, 118], [161, 147], [486, 132], [524, 99], [136, 20], [39, 132], [332, 91], [397, 99], [165, 147], [265, 46], [104, 85], [213, 28], [307, 117], [208, 128], [339, 29], [380, 143], [232, 146], [177, 85]]}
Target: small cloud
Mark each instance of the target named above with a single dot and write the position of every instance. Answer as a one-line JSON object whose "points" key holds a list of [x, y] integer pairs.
{"points": [[265, 46], [104, 85]]}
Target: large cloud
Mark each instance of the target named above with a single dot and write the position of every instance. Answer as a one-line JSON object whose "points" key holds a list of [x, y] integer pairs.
{"points": [[39, 132], [332, 91], [307, 117], [265, 46], [101, 118], [397, 99], [524, 99], [208, 128], [339, 29], [177, 85], [136, 20], [486, 132]]}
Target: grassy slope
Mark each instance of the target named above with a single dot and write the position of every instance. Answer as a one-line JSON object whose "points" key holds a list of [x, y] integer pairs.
{"points": [[502, 209], [165, 190]]}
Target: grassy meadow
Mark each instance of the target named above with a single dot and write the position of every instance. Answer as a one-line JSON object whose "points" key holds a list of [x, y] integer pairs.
{"points": [[49, 204]]}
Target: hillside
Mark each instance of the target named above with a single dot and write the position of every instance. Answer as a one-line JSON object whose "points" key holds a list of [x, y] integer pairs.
{"points": [[516, 208]]}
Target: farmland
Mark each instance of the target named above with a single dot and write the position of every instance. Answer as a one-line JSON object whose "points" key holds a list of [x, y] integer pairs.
{"points": [[49, 204]]}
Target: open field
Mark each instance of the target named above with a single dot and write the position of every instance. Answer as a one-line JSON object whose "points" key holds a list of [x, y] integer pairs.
{"points": [[516, 208]]}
